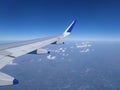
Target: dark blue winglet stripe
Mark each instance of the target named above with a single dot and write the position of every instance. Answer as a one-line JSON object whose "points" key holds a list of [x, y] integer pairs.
{"points": [[70, 29]]}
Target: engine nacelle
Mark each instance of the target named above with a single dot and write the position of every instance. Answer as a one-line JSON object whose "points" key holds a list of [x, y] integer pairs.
{"points": [[42, 51], [58, 42], [7, 80]]}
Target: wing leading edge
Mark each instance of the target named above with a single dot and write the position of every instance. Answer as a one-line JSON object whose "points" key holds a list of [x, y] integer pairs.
{"points": [[11, 51]]}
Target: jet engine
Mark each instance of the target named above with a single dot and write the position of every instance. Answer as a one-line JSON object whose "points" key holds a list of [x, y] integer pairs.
{"points": [[40, 51]]}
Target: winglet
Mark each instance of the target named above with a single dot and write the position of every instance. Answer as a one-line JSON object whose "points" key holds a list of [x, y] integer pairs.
{"points": [[69, 29]]}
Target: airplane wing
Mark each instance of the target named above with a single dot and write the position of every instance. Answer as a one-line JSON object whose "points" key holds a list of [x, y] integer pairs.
{"points": [[10, 51]]}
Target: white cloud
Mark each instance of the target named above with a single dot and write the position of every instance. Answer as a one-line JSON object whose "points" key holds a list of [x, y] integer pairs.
{"points": [[65, 54], [61, 49], [83, 45], [50, 57], [85, 50]]}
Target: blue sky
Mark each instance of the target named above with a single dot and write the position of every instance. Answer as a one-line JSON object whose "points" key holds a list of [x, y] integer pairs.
{"points": [[27, 19]]}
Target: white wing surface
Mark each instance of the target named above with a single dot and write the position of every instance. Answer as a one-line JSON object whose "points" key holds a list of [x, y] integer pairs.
{"points": [[10, 51]]}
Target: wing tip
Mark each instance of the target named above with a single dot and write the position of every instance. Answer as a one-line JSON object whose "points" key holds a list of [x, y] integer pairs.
{"points": [[69, 29]]}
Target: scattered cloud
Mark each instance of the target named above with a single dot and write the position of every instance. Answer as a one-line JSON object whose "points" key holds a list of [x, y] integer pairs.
{"points": [[62, 49], [84, 47], [50, 57], [85, 50]]}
